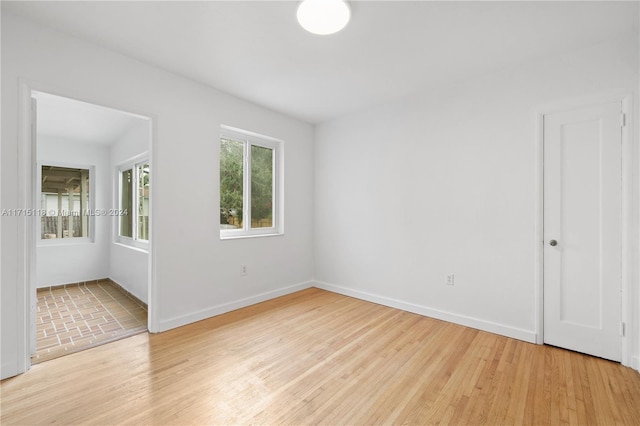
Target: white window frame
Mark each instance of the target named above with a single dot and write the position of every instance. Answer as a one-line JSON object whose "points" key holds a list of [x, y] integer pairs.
{"points": [[253, 139], [132, 164], [92, 206]]}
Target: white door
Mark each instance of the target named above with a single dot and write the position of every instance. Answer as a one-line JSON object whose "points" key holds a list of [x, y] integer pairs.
{"points": [[582, 229]]}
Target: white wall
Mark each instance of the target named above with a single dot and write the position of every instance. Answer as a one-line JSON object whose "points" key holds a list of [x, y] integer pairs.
{"points": [[196, 274], [68, 261], [445, 182], [440, 182], [129, 266]]}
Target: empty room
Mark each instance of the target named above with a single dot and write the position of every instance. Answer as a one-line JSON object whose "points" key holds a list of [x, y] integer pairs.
{"points": [[321, 212]]}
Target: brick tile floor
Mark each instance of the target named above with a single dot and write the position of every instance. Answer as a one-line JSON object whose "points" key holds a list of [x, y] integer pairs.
{"points": [[79, 316]]}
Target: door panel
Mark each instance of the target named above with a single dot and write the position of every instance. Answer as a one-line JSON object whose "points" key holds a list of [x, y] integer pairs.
{"points": [[582, 212]]}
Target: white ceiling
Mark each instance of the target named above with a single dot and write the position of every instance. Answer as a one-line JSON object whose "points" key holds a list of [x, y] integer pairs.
{"points": [[66, 119], [257, 50]]}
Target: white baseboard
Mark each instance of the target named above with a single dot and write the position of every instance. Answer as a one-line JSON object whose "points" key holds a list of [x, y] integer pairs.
{"points": [[491, 327], [635, 363], [213, 311]]}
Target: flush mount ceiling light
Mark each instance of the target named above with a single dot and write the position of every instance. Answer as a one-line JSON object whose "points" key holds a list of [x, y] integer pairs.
{"points": [[323, 16]]}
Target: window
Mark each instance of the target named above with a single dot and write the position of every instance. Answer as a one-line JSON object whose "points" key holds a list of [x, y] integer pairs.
{"points": [[64, 202], [133, 210], [249, 184]]}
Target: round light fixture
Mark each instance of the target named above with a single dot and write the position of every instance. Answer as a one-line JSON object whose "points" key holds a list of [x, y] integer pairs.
{"points": [[323, 16]]}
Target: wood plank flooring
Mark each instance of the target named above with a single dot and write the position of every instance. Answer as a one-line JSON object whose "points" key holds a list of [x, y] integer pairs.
{"points": [[315, 357]]}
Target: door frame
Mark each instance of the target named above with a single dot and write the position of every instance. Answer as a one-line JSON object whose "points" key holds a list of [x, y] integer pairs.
{"points": [[27, 185], [627, 303]]}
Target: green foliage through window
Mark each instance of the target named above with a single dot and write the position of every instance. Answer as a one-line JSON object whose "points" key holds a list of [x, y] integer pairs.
{"points": [[231, 183], [247, 184], [261, 187]]}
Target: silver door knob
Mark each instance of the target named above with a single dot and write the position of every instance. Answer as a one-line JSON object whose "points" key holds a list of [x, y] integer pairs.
{"points": [[553, 243]]}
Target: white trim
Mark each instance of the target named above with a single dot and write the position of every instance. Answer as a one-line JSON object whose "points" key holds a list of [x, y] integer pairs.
{"points": [[230, 306], [467, 321], [137, 159], [627, 303], [235, 132], [539, 230], [130, 164], [626, 291], [4, 367], [142, 245], [91, 207], [132, 247], [635, 363], [26, 285], [230, 236], [582, 101], [41, 242], [250, 139], [152, 291]]}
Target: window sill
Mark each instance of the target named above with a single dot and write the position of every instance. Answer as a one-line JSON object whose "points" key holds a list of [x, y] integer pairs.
{"points": [[244, 236], [137, 246], [51, 242]]}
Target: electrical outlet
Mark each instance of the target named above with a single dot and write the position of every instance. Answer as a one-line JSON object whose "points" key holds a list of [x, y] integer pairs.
{"points": [[243, 270], [450, 279]]}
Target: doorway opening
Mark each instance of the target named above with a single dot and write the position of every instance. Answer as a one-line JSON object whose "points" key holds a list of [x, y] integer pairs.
{"points": [[91, 282]]}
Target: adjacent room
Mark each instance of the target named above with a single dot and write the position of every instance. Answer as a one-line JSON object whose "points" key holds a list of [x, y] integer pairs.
{"points": [[91, 262], [400, 212]]}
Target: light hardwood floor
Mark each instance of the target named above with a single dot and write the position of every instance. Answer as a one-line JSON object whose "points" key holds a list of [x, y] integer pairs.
{"points": [[317, 357]]}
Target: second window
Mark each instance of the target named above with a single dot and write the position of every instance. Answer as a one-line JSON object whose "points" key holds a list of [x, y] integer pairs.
{"points": [[134, 202], [249, 173]]}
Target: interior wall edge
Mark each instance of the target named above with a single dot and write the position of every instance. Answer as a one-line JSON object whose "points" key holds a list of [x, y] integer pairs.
{"points": [[179, 321], [636, 363], [467, 321], [9, 369]]}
